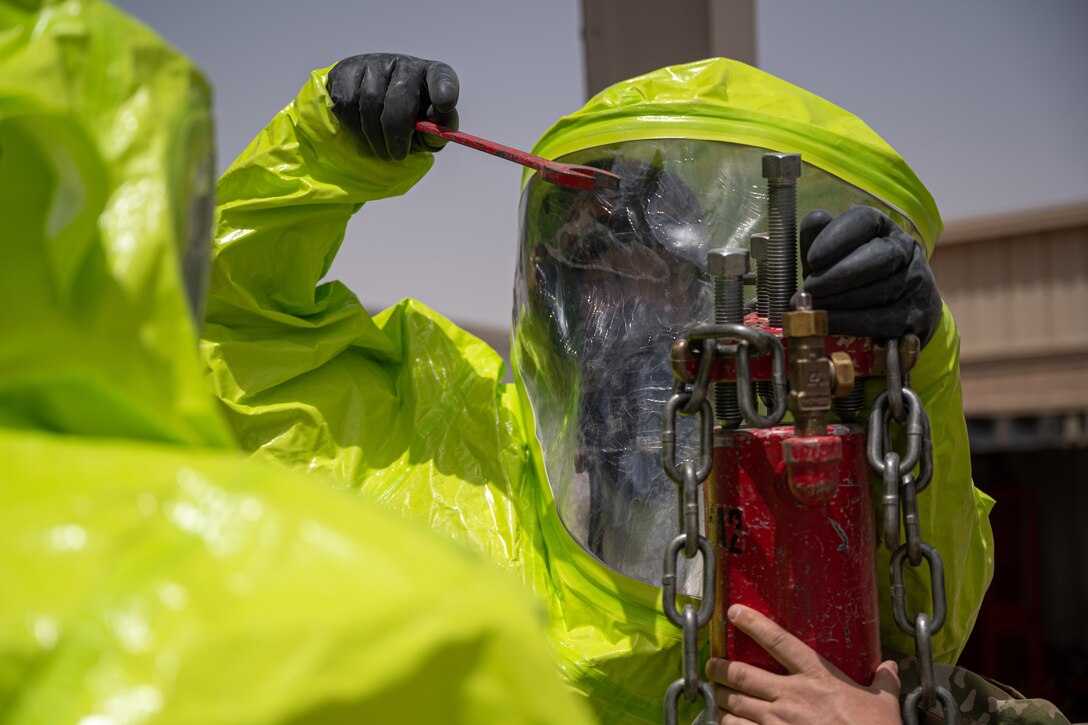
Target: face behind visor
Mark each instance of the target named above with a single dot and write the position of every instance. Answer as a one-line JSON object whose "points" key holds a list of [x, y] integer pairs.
{"points": [[624, 269], [606, 282]]}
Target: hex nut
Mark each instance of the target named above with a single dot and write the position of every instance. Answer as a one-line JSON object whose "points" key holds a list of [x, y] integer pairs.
{"points": [[805, 323], [722, 263], [842, 379], [781, 166]]}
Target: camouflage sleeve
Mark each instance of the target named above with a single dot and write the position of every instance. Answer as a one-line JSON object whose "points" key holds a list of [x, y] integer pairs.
{"points": [[979, 699]]}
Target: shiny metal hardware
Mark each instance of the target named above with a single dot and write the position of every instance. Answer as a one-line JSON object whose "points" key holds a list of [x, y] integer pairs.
{"points": [[901, 405]]}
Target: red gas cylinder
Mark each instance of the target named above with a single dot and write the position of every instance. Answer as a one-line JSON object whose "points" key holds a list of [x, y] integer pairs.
{"points": [[791, 523]]}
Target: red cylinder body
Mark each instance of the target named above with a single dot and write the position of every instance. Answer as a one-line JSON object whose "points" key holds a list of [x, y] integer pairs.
{"points": [[809, 566]]}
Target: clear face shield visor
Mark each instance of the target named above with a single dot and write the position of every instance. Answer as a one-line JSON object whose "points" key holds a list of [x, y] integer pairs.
{"points": [[606, 281]]}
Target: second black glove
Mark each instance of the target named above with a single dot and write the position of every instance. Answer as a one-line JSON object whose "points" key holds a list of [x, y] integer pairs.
{"points": [[378, 97], [871, 276]]}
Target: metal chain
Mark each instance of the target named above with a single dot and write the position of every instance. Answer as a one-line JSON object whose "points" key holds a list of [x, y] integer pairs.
{"points": [[900, 497], [898, 404], [747, 339], [689, 476]]}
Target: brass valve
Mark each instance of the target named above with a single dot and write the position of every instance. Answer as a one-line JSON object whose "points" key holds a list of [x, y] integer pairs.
{"points": [[815, 376]]}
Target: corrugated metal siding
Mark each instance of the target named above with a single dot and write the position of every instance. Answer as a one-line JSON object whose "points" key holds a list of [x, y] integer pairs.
{"points": [[1018, 288]]}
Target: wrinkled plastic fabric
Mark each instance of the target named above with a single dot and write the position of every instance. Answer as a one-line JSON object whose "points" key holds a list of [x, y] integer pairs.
{"points": [[607, 281], [103, 130], [159, 584], [408, 409], [151, 575]]}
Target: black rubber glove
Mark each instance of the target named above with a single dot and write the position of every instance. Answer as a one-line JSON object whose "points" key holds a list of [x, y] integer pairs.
{"points": [[379, 97], [871, 276]]}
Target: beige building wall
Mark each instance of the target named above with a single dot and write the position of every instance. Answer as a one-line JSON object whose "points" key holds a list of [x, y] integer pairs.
{"points": [[1017, 285], [683, 31]]}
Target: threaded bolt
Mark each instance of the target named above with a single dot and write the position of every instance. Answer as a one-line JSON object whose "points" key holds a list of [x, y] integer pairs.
{"points": [[781, 172], [849, 408], [728, 270], [759, 255]]}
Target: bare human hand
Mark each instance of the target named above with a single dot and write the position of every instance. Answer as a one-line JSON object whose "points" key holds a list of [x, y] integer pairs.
{"points": [[813, 690]]}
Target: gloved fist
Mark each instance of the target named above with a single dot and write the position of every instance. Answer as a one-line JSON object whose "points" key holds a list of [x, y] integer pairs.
{"points": [[378, 97], [870, 275]]}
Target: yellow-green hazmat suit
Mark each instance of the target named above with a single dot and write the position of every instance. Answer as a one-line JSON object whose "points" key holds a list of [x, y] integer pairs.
{"points": [[148, 572], [409, 410]]}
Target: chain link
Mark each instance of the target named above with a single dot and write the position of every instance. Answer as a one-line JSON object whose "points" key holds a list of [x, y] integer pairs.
{"points": [[691, 652], [689, 510], [902, 405], [668, 437], [911, 520], [890, 499], [899, 590], [668, 582], [894, 382], [880, 443], [925, 465], [690, 542], [701, 387], [911, 702], [923, 630], [744, 387], [672, 702]]}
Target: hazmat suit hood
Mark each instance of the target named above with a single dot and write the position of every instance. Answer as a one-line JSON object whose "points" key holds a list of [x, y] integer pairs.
{"points": [[106, 254], [598, 302]]}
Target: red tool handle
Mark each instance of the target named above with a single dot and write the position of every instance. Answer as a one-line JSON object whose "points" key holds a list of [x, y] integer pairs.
{"points": [[572, 175]]}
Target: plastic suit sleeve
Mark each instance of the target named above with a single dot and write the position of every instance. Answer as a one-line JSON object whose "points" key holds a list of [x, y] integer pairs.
{"points": [[403, 406], [954, 514], [282, 208], [159, 584]]}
